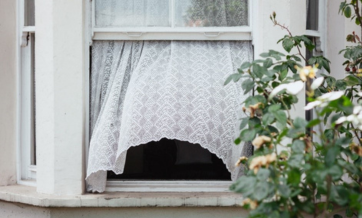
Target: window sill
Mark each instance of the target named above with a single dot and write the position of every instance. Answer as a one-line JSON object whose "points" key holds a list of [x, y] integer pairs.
{"points": [[28, 195]]}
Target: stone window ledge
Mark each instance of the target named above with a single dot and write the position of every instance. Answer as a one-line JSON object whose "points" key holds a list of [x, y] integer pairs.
{"points": [[28, 195]]}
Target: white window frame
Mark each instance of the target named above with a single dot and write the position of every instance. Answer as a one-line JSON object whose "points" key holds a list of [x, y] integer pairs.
{"points": [[26, 171], [243, 33], [171, 33], [320, 34]]}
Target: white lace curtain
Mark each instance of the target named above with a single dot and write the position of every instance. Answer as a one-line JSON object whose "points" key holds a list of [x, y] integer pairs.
{"points": [[160, 13], [144, 91]]}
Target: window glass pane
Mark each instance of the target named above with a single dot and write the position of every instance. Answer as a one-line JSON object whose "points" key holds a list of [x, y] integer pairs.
{"points": [[211, 13], [132, 13], [29, 13], [312, 14]]}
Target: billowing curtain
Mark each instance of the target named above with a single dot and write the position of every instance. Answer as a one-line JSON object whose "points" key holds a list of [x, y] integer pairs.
{"points": [[143, 91], [160, 13]]}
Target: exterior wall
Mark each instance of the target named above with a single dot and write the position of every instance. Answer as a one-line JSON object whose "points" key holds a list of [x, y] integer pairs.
{"points": [[61, 98], [338, 27], [15, 210], [8, 93], [292, 14]]}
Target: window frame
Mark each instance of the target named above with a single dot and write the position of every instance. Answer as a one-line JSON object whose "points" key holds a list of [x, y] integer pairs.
{"points": [[170, 33], [26, 170], [244, 33]]}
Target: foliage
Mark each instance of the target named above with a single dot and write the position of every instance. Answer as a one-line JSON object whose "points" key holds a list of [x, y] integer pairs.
{"points": [[293, 171]]}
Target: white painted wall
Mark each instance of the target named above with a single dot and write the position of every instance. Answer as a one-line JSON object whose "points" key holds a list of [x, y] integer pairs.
{"points": [[290, 13], [338, 27], [60, 94], [8, 94]]}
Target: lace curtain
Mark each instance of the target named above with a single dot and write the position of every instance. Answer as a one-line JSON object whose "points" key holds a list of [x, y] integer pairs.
{"points": [[158, 13], [144, 91]]}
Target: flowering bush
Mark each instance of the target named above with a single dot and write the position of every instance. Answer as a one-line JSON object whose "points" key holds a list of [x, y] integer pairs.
{"points": [[294, 171]]}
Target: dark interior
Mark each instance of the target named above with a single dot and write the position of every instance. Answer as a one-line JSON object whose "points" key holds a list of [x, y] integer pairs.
{"points": [[172, 160]]}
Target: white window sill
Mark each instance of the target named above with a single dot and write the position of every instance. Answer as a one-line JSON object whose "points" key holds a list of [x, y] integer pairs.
{"points": [[28, 195]]}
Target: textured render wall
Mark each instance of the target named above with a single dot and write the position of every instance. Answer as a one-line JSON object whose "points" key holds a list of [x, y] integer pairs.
{"points": [[203, 212], [8, 92], [15, 210]]}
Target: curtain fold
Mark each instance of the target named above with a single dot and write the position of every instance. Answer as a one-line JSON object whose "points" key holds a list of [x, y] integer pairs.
{"points": [[144, 91]]}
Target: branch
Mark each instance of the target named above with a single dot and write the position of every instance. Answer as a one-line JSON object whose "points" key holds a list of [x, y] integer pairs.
{"points": [[290, 34]]}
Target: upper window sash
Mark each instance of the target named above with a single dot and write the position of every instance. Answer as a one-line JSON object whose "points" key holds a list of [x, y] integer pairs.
{"points": [[315, 18], [169, 30]]}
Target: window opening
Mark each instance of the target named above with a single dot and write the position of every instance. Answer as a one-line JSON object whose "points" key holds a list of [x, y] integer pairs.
{"points": [[29, 12], [172, 160], [312, 14]]}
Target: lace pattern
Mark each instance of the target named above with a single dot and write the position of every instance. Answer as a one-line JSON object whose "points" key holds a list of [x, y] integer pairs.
{"points": [[144, 91]]}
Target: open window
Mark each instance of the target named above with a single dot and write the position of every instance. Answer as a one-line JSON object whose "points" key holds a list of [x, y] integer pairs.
{"points": [[159, 109], [27, 143]]}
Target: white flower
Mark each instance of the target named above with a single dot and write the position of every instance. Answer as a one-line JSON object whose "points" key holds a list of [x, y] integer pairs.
{"points": [[331, 96], [341, 120], [322, 100], [291, 88], [316, 83], [312, 104], [357, 109]]}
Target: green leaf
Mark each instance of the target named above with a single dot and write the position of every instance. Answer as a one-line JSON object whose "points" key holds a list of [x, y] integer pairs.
{"points": [[274, 108], [288, 44], [341, 85], [257, 70], [281, 135], [299, 123], [247, 135], [336, 172], [283, 74], [245, 65], [313, 123], [251, 100], [268, 63], [284, 191], [263, 174], [235, 77], [247, 85], [351, 80], [237, 141], [298, 146], [244, 122], [280, 116], [349, 212], [331, 156], [254, 122], [244, 185], [294, 177], [261, 190], [295, 160], [347, 12], [268, 118], [272, 129], [341, 6]]}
